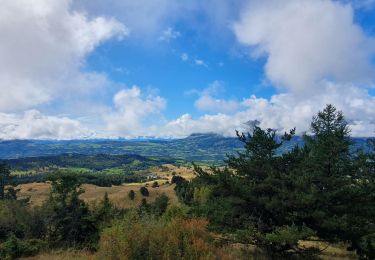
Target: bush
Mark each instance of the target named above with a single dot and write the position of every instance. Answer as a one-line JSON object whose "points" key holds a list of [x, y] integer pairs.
{"points": [[131, 194], [180, 212], [160, 205], [13, 247], [14, 218], [144, 191], [157, 239], [155, 184]]}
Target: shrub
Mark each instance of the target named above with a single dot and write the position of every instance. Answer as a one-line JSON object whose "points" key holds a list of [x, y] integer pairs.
{"points": [[131, 194], [155, 184], [14, 218], [13, 247], [157, 239], [144, 191], [160, 205]]}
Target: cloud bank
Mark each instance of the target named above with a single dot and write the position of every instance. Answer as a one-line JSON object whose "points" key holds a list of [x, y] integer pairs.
{"points": [[33, 124]]}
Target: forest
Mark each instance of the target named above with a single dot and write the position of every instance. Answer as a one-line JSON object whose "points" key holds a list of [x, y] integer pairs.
{"points": [[259, 203]]}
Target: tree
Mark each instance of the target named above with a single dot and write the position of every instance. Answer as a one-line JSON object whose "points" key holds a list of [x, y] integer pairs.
{"points": [[336, 186], [131, 194], [6, 180], [274, 198], [159, 206], [69, 222], [105, 211], [144, 191]]}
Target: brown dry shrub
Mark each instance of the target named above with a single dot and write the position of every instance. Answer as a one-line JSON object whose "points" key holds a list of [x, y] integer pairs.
{"points": [[134, 238]]}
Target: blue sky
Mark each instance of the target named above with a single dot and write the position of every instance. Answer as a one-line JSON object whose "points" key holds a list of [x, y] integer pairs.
{"points": [[94, 69]]}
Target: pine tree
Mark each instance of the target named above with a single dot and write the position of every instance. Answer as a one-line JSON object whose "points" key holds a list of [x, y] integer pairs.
{"points": [[69, 222], [335, 192]]}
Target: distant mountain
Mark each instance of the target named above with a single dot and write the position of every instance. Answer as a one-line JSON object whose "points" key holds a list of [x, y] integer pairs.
{"points": [[196, 147], [96, 162]]}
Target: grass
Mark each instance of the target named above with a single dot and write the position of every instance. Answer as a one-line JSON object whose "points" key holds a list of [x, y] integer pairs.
{"points": [[38, 192], [64, 255]]}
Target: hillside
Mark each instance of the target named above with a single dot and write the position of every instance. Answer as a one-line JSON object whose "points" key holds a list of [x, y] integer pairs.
{"points": [[197, 147], [210, 148]]}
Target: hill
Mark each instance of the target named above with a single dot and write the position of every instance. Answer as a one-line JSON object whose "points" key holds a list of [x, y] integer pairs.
{"points": [[209, 148], [197, 147]]}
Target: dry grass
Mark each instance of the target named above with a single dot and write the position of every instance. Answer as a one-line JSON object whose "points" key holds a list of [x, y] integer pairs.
{"points": [[330, 251], [64, 255], [38, 193], [168, 169]]}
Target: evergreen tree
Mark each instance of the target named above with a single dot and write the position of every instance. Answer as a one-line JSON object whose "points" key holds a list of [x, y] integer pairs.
{"points": [[70, 222], [6, 180], [336, 186], [105, 211], [274, 200]]}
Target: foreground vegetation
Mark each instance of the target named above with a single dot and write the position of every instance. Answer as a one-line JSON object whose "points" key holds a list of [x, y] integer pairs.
{"points": [[260, 205]]}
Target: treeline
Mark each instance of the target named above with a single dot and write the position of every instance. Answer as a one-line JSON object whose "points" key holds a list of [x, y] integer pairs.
{"points": [[101, 179], [322, 191], [99, 162]]}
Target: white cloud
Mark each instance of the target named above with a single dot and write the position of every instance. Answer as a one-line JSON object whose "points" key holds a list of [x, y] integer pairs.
{"points": [[184, 57], [169, 34], [146, 19], [34, 125], [307, 42], [361, 4], [283, 112], [200, 62], [43, 49], [134, 112], [209, 102], [314, 51]]}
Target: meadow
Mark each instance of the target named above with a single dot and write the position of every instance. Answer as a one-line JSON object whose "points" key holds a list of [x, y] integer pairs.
{"points": [[38, 192]]}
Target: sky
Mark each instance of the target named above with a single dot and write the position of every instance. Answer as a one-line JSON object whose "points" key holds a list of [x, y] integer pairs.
{"points": [[76, 69]]}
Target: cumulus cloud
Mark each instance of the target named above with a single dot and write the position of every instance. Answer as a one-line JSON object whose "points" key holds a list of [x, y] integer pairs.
{"points": [[35, 125], [307, 42], [147, 18], [209, 102], [315, 53], [283, 112], [134, 112], [42, 51]]}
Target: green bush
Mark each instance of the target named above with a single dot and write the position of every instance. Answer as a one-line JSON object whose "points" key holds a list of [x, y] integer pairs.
{"points": [[131, 194], [159, 206], [13, 247], [144, 191]]}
